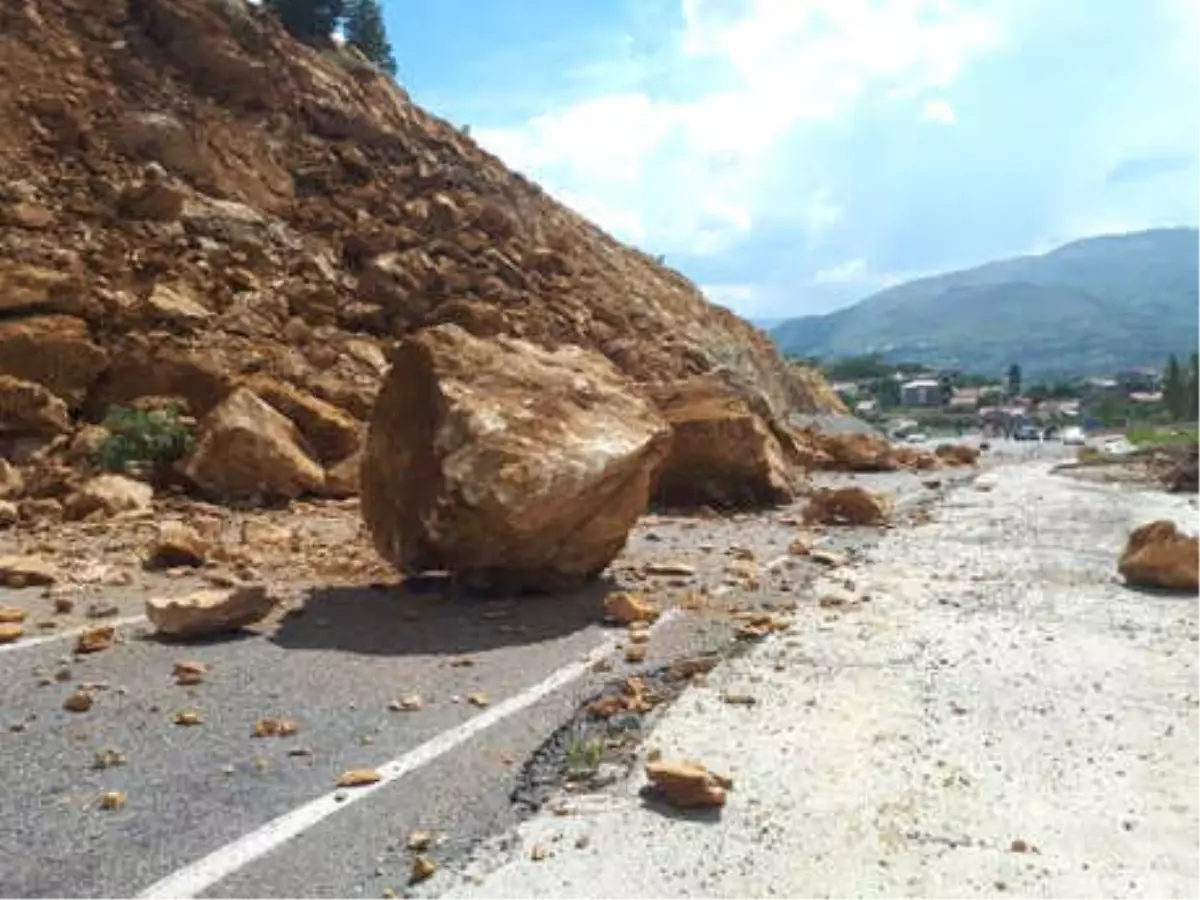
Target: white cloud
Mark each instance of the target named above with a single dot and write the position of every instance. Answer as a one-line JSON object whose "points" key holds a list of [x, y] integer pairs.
{"points": [[695, 172], [851, 270], [938, 111]]}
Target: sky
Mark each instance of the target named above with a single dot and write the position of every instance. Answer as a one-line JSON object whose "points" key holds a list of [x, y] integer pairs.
{"points": [[794, 156]]}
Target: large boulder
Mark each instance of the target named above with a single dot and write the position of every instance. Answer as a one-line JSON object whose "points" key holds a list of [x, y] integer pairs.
{"points": [[510, 465], [847, 506], [247, 449], [723, 454], [1158, 555]]}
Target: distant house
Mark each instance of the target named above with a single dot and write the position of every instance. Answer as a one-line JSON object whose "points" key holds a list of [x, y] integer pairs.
{"points": [[921, 392], [1146, 397], [964, 399], [864, 407]]}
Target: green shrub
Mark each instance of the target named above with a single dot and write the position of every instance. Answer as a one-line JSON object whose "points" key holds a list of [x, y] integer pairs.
{"points": [[157, 436]]}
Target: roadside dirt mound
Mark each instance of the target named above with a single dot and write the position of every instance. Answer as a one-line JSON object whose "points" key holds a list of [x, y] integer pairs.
{"points": [[193, 202]]}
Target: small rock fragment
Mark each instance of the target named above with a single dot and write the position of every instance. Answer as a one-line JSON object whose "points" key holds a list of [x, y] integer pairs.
{"points": [[10, 631], [687, 784], [275, 728], [11, 614], [107, 758], [189, 717], [480, 700], [188, 672], [671, 569], [636, 653], [93, 640], [101, 610], [112, 800], [358, 777], [79, 701], [539, 852], [407, 703], [625, 607], [422, 868], [419, 840]]}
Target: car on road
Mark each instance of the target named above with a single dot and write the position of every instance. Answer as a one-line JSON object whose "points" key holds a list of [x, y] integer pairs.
{"points": [[1117, 445], [1027, 433], [1073, 435], [917, 437]]}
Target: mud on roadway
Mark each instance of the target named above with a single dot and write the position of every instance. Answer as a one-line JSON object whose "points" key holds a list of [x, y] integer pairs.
{"points": [[211, 810]]}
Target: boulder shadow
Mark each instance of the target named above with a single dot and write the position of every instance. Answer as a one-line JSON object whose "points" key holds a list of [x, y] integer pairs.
{"points": [[653, 801], [434, 616]]}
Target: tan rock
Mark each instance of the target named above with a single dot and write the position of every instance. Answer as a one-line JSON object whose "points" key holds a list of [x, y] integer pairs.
{"points": [[175, 306], [112, 800], [332, 433], [506, 463], [272, 727], [86, 443], [344, 479], [189, 673], [855, 452], [358, 777], [26, 571], [10, 631], [625, 607], [55, 351], [423, 868], [9, 614], [12, 482], [93, 640], [256, 533], [79, 701], [26, 289], [109, 495], [687, 784], [210, 611], [957, 454], [1159, 555], [177, 544], [28, 408], [847, 506], [246, 448], [10, 514], [189, 717], [723, 452]]}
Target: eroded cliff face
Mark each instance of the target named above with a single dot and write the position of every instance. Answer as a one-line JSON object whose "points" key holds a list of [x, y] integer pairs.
{"points": [[190, 199]]}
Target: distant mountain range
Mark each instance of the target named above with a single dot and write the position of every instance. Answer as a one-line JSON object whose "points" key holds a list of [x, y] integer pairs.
{"points": [[1090, 307]]}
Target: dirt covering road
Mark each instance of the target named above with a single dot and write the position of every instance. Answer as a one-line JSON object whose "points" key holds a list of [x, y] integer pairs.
{"points": [[989, 713]]}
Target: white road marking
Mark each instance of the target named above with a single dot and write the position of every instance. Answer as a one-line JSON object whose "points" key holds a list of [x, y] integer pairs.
{"points": [[26, 643], [197, 877]]}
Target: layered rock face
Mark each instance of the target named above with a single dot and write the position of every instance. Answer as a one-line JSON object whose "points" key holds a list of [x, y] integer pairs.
{"points": [[511, 465], [193, 204]]}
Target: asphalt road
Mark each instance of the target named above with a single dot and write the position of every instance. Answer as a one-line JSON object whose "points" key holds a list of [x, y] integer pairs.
{"points": [[213, 811]]}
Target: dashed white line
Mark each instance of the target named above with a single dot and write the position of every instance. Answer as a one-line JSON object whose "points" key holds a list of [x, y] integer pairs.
{"points": [[197, 877], [29, 642]]}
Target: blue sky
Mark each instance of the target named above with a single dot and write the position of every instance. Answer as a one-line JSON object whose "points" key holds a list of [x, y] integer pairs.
{"points": [[793, 156]]}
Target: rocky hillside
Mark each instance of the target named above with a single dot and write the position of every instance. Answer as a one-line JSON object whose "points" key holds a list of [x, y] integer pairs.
{"points": [[192, 201]]}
